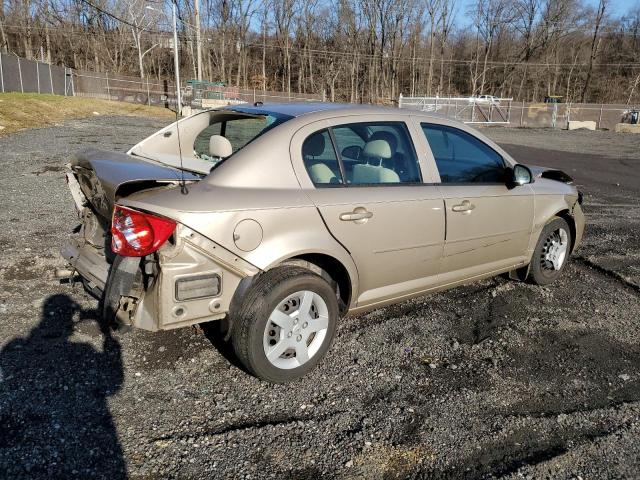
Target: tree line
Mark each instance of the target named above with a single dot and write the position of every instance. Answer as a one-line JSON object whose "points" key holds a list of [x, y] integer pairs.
{"points": [[349, 50]]}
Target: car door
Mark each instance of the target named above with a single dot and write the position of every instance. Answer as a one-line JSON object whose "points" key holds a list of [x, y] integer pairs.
{"points": [[488, 225], [365, 179]]}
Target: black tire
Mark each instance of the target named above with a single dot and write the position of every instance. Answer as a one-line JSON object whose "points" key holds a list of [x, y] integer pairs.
{"points": [[541, 271], [250, 321]]}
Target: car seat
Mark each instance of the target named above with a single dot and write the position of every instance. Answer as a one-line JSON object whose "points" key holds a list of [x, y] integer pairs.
{"points": [[397, 162], [318, 171], [375, 152], [219, 147]]}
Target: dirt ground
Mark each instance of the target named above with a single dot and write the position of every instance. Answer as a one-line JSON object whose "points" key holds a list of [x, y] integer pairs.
{"points": [[493, 380], [19, 111]]}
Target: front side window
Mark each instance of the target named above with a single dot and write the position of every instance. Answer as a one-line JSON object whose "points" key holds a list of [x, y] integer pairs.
{"points": [[461, 157], [367, 153]]}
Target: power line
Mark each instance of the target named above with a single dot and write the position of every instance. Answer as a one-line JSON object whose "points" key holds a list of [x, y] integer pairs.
{"points": [[133, 25], [115, 17], [333, 54], [330, 53]]}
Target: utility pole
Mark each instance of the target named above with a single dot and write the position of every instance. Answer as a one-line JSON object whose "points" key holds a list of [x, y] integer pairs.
{"points": [[176, 61], [198, 38]]}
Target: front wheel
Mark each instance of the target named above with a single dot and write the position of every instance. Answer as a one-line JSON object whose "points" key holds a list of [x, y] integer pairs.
{"points": [[285, 324], [551, 253]]}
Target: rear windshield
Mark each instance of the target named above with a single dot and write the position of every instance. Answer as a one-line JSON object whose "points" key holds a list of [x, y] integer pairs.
{"points": [[239, 132]]}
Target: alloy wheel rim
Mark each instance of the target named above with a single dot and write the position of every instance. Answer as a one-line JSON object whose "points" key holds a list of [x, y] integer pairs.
{"points": [[296, 329], [554, 250]]}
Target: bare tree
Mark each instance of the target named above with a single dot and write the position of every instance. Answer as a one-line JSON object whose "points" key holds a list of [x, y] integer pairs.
{"points": [[433, 9], [140, 22], [595, 43], [283, 14], [354, 50]]}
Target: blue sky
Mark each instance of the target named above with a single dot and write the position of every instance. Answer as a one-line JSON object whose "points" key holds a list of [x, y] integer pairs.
{"points": [[616, 7]]}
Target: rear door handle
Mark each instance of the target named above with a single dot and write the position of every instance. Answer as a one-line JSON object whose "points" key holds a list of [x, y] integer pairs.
{"points": [[465, 207], [359, 215]]}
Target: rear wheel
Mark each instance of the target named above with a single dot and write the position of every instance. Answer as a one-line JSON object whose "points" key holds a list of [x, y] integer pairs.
{"points": [[285, 324], [551, 253]]}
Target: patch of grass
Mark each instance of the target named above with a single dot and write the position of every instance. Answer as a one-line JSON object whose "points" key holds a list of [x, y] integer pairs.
{"points": [[19, 111], [386, 462]]}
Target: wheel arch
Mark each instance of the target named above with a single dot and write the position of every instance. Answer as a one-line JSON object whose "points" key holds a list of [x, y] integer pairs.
{"points": [[325, 265], [565, 214], [543, 218], [329, 268]]}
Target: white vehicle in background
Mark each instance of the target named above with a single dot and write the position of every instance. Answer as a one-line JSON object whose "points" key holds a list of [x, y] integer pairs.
{"points": [[484, 100]]}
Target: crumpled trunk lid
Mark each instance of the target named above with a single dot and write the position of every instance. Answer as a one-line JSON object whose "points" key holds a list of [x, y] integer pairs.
{"points": [[105, 176], [97, 179]]}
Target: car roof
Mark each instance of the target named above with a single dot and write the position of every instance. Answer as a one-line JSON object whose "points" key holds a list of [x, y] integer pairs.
{"points": [[298, 109]]}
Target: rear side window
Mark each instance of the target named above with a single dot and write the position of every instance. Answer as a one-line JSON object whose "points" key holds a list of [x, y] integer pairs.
{"points": [[461, 157], [239, 132], [371, 153], [320, 159]]}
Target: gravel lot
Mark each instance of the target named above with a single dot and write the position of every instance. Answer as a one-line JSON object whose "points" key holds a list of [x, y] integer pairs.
{"points": [[496, 379]]}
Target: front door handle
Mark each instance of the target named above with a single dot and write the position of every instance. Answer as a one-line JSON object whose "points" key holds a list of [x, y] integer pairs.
{"points": [[465, 207], [359, 215]]}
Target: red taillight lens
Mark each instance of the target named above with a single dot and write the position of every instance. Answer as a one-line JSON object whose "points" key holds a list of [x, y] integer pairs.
{"points": [[136, 234]]}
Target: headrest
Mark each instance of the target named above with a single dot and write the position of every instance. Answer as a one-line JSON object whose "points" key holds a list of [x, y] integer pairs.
{"points": [[321, 173], [314, 145], [388, 136], [219, 146], [377, 149]]}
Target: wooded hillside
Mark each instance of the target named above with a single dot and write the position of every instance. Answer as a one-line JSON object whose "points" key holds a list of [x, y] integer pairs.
{"points": [[354, 50]]}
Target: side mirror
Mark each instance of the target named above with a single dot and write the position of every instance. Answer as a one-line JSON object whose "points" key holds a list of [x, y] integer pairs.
{"points": [[520, 175]]}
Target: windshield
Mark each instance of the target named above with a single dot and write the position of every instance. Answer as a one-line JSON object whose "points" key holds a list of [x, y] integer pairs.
{"points": [[238, 131]]}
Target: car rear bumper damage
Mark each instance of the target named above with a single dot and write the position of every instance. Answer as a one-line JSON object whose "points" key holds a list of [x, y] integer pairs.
{"points": [[88, 262], [192, 280], [189, 280]]}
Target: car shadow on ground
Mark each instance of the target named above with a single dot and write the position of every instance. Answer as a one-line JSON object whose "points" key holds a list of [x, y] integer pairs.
{"points": [[54, 418], [216, 333]]}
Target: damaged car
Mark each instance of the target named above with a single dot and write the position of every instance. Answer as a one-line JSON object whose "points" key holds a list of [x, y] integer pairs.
{"points": [[278, 220]]}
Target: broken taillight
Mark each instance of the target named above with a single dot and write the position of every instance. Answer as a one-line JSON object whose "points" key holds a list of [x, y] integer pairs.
{"points": [[136, 234]]}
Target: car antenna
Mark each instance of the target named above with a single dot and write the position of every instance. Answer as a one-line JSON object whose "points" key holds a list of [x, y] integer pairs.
{"points": [[183, 184]]}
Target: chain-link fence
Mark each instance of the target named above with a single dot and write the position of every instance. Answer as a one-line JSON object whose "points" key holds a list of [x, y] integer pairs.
{"points": [[194, 94], [124, 89], [491, 110], [485, 109], [30, 76], [557, 115]]}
